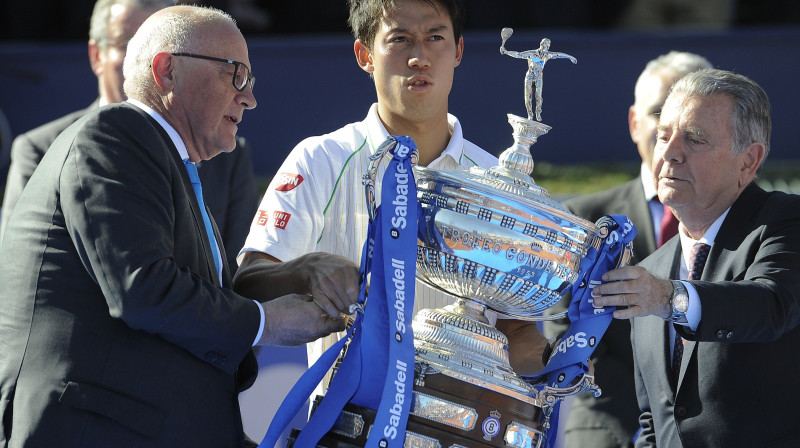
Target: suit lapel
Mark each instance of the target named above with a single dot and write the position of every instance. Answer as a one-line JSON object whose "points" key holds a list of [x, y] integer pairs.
{"points": [[664, 263], [200, 227], [666, 368]]}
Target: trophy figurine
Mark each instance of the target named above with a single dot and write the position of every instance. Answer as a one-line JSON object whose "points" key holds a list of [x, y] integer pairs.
{"points": [[493, 239]]}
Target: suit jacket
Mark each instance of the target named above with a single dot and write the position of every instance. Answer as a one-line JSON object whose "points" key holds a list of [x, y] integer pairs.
{"points": [[615, 411], [229, 187], [736, 382], [114, 328]]}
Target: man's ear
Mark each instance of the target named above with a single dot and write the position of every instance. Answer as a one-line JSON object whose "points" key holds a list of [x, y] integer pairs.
{"points": [[164, 71], [95, 57], [459, 50], [751, 162], [633, 124], [363, 56]]}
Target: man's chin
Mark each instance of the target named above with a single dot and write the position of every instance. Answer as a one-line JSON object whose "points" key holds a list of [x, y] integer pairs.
{"points": [[228, 146]]}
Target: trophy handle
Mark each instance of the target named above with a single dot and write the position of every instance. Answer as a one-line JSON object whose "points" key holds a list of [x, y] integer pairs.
{"points": [[605, 225], [372, 172]]}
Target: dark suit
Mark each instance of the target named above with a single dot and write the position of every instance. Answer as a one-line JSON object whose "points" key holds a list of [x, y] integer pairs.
{"points": [[113, 326], [736, 387], [229, 187], [613, 416]]}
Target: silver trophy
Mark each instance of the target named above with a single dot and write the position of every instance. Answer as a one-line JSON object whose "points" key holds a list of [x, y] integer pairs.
{"points": [[493, 239]]}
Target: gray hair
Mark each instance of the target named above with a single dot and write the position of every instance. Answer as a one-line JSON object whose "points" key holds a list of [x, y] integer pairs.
{"points": [[101, 14], [172, 32], [750, 119], [674, 65]]}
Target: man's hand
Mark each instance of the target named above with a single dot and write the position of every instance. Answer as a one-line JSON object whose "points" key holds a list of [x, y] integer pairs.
{"points": [[633, 286], [296, 319], [525, 345], [331, 281]]}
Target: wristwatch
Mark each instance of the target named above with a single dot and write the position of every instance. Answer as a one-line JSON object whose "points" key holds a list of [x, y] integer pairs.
{"points": [[678, 303]]}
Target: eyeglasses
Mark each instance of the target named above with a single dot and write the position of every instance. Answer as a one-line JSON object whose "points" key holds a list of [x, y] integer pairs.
{"points": [[241, 72]]}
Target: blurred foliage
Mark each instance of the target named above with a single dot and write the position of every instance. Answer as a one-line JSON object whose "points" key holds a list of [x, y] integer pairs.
{"points": [[568, 180]]}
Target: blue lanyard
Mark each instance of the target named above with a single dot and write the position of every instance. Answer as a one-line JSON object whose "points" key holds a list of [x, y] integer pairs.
{"points": [[382, 336], [588, 324]]}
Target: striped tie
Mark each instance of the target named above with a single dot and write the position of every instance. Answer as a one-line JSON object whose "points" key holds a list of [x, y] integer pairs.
{"points": [[697, 261]]}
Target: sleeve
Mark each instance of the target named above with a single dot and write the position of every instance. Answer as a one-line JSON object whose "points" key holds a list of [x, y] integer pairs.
{"points": [[760, 301], [290, 217], [125, 206]]}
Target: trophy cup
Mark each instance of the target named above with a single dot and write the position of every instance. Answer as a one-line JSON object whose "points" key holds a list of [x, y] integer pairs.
{"points": [[493, 239]]}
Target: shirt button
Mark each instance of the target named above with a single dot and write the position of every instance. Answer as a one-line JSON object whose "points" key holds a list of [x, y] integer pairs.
{"points": [[721, 334], [680, 411], [730, 335]]}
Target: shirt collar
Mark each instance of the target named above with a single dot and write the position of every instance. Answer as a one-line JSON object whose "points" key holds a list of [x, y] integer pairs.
{"points": [[455, 147], [688, 242], [173, 134], [378, 134]]}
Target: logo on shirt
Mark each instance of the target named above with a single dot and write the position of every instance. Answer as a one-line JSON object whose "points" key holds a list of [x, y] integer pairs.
{"points": [[287, 181], [279, 219], [262, 216]]}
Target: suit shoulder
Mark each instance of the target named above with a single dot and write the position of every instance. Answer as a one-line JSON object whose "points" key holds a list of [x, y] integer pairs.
{"points": [[755, 203], [780, 199], [121, 132]]}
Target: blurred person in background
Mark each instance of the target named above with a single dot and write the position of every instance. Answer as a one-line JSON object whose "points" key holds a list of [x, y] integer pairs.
{"points": [[231, 193]]}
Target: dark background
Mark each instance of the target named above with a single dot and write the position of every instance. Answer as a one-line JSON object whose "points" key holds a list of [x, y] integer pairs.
{"points": [[310, 84]]}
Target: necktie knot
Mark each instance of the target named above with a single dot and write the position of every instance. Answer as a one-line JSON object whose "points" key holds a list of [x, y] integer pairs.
{"points": [[697, 260], [192, 169]]}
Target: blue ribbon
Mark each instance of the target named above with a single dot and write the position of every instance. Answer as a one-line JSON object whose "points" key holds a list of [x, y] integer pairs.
{"points": [[382, 336], [588, 324]]}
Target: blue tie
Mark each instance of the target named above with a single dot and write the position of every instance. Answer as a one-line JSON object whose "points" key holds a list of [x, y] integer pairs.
{"points": [[198, 191]]}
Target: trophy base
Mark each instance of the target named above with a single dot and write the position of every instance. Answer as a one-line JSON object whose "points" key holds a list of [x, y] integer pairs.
{"points": [[446, 413]]}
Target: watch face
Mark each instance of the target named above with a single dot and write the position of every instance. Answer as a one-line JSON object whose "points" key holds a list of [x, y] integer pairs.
{"points": [[680, 302]]}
